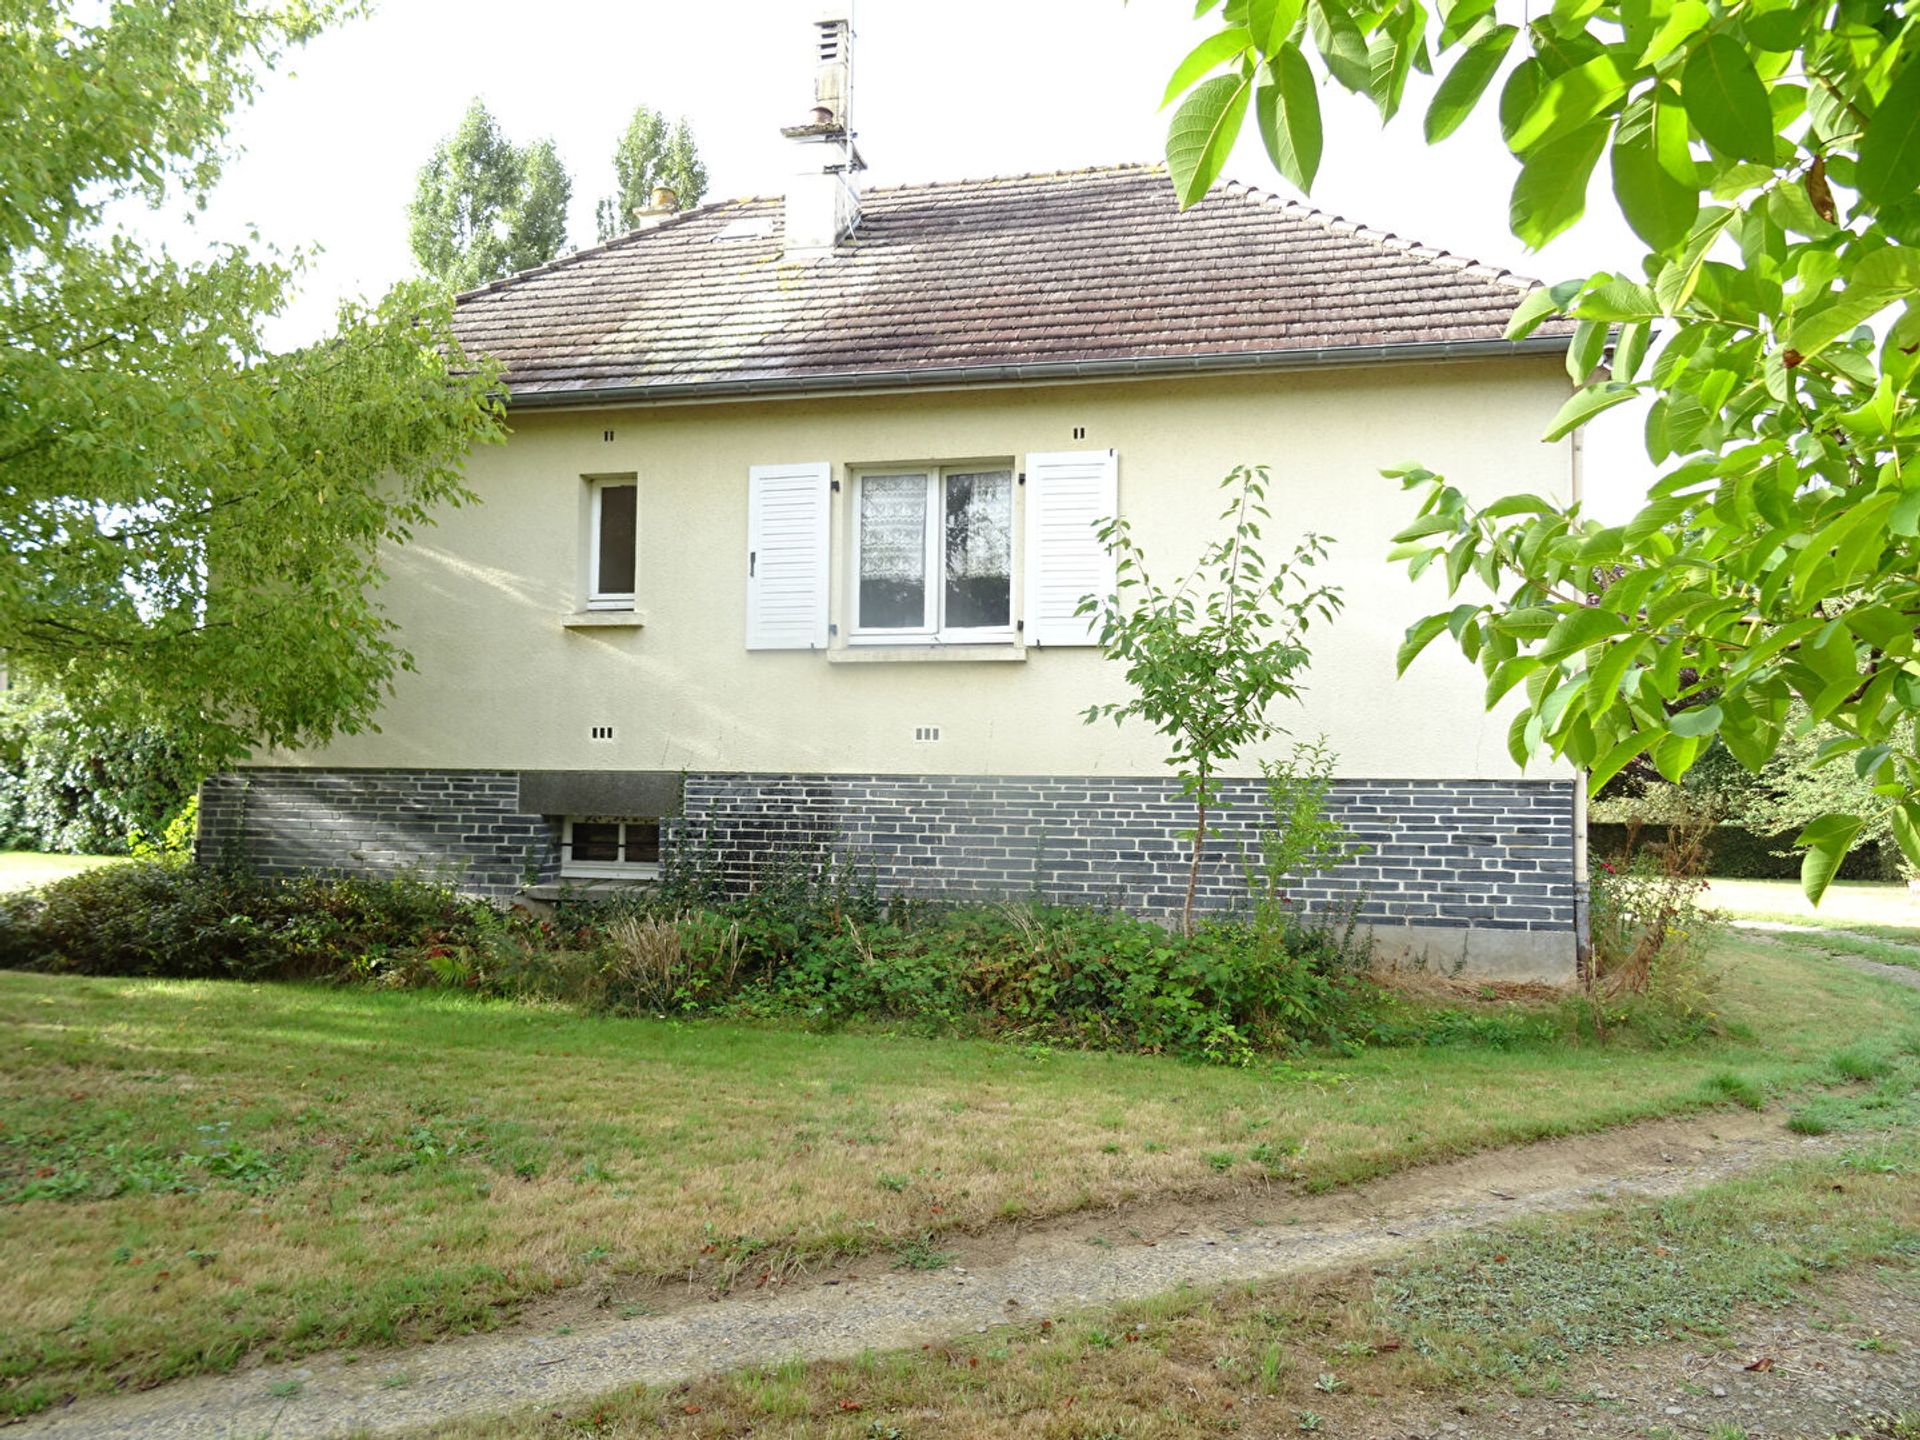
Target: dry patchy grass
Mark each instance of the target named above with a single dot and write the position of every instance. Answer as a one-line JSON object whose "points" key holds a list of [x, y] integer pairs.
{"points": [[193, 1173], [1509, 1309]]}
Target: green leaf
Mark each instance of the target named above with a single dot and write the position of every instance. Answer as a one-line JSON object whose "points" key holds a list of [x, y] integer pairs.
{"points": [[1888, 170], [1696, 723], [1202, 135], [1419, 635], [1537, 305], [1551, 193], [1589, 343], [1342, 47], [1519, 742], [1459, 17], [1674, 755], [1654, 177], [1777, 30], [1726, 101], [1288, 110], [1828, 840], [1617, 299], [1614, 761], [1570, 100], [1588, 403], [1517, 505], [1467, 81], [1391, 52], [1519, 93], [1579, 629], [1271, 23], [1209, 54], [1630, 350], [1906, 830], [1884, 278], [1685, 19]]}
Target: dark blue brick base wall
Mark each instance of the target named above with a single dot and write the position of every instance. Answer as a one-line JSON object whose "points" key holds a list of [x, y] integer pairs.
{"points": [[464, 826], [1495, 854], [1482, 854]]}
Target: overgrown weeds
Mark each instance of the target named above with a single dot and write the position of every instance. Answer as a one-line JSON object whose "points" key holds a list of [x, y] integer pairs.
{"points": [[1651, 933]]}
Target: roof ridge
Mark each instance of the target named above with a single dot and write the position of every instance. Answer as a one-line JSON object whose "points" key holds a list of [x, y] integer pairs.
{"points": [[627, 237], [1382, 239], [1143, 167]]}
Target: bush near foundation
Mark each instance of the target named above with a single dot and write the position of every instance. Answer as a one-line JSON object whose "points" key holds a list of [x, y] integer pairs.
{"points": [[812, 944], [819, 947], [168, 918]]}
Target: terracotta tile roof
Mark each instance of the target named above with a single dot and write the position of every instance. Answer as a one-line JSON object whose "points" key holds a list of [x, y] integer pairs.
{"points": [[1083, 272]]}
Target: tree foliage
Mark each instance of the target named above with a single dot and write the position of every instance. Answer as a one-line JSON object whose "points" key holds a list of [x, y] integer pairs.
{"points": [[70, 783], [1208, 657], [191, 519], [650, 153], [1767, 153], [484, 207]]}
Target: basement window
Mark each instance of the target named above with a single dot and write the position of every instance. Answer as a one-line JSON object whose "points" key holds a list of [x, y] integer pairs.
{"points": [[612, 544], [603, 847], [933, 556]]}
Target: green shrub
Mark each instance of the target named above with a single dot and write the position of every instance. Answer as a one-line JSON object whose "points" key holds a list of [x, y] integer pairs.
{"points": [[1089, 977], [81, 788], [171, 918]]}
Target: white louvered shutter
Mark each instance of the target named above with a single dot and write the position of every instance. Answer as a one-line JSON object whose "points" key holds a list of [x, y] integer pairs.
{"points": [[787, 510], [1070, 494]]}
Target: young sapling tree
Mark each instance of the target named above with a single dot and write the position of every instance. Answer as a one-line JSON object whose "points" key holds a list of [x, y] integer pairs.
{"points": [[1208, 657]]}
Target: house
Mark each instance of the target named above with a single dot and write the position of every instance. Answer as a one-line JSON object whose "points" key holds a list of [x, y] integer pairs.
{"points": [[784, 555]]}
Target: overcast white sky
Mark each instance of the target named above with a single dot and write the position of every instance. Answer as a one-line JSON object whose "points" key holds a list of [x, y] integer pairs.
{"points": [[941, 92]]}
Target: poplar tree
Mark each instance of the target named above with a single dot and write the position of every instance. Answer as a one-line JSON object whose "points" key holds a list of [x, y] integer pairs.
{"points": [[649, 154], [484, 207]]}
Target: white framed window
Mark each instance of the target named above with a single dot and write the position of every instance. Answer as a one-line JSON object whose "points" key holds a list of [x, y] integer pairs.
{"points": [[609, 847], [613, 534], [933, 555]]}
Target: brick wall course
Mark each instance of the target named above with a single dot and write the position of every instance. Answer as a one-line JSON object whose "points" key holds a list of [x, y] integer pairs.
{"points": [[1493, 854]]}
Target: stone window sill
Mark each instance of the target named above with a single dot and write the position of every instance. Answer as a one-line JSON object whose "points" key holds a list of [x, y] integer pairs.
{"points": [[926, 654], [604, 620], [551, 890]]}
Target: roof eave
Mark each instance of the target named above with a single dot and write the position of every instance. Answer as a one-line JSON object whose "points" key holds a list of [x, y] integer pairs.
{"points": [[1042, 372]]}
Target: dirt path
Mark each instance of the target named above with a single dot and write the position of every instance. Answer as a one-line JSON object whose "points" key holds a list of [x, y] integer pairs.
{"points": [[1781, 932], [1008, 1275]]}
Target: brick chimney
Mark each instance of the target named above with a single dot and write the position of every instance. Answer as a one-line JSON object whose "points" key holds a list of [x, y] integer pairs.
{"points": [[822, 206]]}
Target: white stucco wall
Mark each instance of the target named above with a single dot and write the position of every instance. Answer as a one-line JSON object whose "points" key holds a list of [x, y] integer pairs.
{"points": [[501, 683]]}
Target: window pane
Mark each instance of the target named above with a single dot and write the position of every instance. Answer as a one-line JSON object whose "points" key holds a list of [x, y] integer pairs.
{"points": [[979, 550], [597, 841], [617, 507], [643, 842], [893, 552]]}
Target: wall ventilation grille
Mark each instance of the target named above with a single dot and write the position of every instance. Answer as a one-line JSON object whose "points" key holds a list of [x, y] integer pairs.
{"points": [[926, 732], [600, 732]]}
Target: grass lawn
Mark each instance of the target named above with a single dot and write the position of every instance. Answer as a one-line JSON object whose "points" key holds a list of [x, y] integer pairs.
{"points": [[194, 1172], [24, 869], [1885, 908]]}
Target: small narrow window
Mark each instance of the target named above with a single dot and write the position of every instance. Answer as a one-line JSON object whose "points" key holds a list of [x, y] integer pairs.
{"points": [[610, 558], [601, 847]]}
